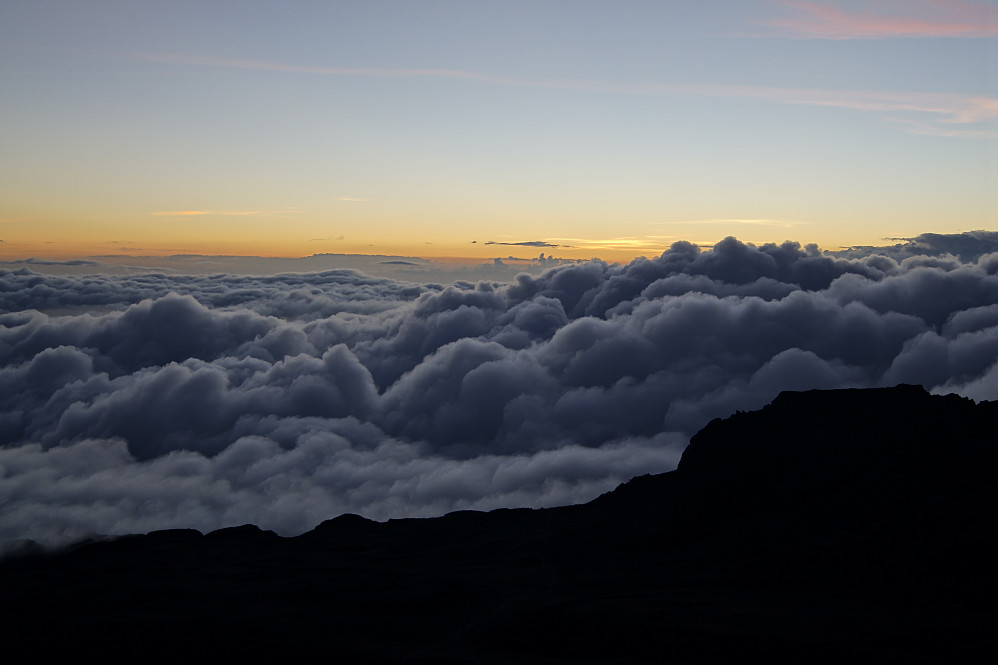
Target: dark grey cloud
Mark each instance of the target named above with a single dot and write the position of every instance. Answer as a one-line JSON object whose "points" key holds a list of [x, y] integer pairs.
{"points": [[526, 243], [967, 247], [129, 403], [307, 296], [44, 262]]}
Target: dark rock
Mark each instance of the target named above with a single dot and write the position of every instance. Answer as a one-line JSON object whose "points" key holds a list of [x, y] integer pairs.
{"points": [[826, 526]]}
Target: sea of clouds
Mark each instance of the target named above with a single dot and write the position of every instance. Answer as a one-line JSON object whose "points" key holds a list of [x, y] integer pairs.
{"points": [[133, 403]]}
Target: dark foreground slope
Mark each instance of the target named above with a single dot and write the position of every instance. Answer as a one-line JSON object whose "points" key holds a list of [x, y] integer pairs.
{"points": [[827, 525]]}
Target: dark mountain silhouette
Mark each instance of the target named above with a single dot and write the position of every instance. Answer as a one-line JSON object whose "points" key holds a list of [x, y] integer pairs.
{"points": [[827, 525]]}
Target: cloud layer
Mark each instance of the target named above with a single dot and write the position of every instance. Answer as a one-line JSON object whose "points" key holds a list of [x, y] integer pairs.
{"points": [[145, 402]]}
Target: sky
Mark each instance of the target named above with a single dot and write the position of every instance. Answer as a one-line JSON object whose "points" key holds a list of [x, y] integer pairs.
{"points": [[487, 129]]}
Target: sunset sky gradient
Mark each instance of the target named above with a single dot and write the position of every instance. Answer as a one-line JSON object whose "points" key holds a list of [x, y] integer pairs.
{"points": [[434, 128]]}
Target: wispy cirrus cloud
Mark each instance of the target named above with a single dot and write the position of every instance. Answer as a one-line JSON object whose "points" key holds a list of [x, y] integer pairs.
{"points": [[196, 213], [935, 113], [263, 65], [781, 223], [912, 18], [655, 243], [945, 106], [223, 213]]}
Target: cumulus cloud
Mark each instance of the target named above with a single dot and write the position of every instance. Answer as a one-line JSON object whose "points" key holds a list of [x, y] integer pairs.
{"points": [[966, 247], [132, 403]]}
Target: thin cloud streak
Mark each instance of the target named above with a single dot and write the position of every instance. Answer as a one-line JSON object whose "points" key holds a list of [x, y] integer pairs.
{"points": [[223, 213], [526, 243], [913, 126], [196, 213], [937, 110], [262, 65], [948, 107], [650, 243], [950, 18], [782, 223]]}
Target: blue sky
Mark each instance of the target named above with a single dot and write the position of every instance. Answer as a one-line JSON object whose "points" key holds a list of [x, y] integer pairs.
{"points": [[431, 128]]}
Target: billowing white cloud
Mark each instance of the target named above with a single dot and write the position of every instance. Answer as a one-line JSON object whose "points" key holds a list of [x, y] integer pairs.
{"points": [[210, 401]]}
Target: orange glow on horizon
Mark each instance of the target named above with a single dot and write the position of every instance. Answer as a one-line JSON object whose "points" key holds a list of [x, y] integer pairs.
{"points": [[231, 232], [466, 254]]}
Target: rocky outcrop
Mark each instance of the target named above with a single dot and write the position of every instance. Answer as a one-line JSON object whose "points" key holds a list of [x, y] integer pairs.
{"points": [[827, 525]]}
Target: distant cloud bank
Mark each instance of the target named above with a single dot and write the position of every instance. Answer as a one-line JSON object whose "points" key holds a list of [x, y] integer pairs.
{"points": [[208, 401]]}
